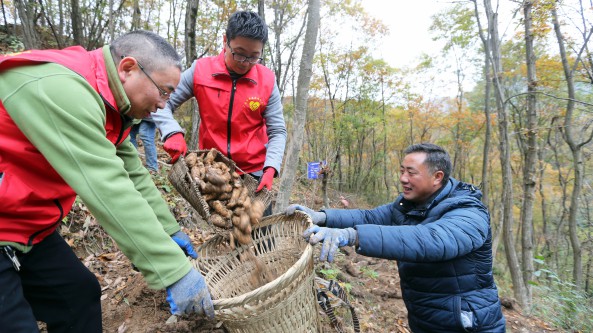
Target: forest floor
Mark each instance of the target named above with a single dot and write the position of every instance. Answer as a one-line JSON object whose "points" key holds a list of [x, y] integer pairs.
{"points": [[130, 306]]}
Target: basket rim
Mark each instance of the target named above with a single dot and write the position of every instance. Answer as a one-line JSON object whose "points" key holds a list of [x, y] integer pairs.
{"points": [[283, 280]]}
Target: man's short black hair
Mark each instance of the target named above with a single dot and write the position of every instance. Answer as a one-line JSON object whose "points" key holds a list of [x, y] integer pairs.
{"points": [[437, 158], [246, 24]]}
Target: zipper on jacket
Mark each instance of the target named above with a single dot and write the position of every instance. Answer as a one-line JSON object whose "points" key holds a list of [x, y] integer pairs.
{"points": [[228, 125], [32, 237], [121, 116]]}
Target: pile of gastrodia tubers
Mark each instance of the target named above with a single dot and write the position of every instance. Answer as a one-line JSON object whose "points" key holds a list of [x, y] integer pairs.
{"points": [[230, 205]]}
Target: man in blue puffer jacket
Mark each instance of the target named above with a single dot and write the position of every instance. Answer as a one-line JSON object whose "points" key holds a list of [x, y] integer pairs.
{"points": [[439, 232]]}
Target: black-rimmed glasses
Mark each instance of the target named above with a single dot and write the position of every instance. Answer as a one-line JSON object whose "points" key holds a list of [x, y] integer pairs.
{"points": [[162, 92], [242, 58]]}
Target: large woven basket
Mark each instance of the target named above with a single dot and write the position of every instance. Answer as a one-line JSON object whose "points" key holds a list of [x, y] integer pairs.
{"points": [[180, 178], [287, 303]]}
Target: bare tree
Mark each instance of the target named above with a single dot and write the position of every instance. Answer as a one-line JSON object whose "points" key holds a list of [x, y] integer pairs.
{"points": [[27, 13], [530, 156], [285, 12], [111, 18], [576, 138], [505, 157], [4, 14], [76, 18], [136, 14], [191, 14], [300, 113], [487, 134], [191, 54]]}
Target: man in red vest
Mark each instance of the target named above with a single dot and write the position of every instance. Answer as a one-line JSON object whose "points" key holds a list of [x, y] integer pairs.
{"points": [[64, 122], [238, 100]]}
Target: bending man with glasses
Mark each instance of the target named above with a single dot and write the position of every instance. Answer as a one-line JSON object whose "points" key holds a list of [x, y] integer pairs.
{"points": [[239, 103], [64, 122]]}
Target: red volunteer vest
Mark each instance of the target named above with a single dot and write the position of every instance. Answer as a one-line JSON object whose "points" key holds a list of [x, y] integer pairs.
{"points": [[232, 117], [33, 196]]}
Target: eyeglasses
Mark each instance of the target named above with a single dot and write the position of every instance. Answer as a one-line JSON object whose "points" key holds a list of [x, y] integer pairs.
{"points": [[162, 92], [242, 58]]}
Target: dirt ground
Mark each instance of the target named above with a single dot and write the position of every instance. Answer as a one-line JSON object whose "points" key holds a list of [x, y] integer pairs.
{"points": [[130, 306]]}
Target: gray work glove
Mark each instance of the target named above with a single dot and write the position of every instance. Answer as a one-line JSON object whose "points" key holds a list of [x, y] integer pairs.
{"points": [[190, 295], [317, 217], [332, 239]]}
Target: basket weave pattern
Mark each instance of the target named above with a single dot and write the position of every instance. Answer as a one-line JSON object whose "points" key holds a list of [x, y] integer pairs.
{"points": [[180, 178], [286, 304]]}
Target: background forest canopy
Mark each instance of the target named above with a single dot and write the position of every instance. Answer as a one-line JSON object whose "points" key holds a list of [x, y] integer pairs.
{"points": [[518, 123]]}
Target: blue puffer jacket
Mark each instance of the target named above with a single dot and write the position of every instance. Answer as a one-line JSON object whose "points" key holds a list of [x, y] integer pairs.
{"points": [[444, 254]]}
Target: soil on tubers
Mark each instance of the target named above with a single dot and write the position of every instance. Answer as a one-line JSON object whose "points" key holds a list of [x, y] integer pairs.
{"points": [[228, 199]]}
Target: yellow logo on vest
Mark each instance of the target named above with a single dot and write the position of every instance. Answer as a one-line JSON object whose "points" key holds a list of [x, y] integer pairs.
{"points": [[253, 103]]}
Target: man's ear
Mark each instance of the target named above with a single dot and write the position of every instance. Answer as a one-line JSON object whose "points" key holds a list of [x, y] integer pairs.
{"points": [[438, 177], [125, 67]]}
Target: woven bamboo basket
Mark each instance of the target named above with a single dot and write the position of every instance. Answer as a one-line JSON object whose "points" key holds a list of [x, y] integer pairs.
{"points": [[287, 303], [180, 178]]}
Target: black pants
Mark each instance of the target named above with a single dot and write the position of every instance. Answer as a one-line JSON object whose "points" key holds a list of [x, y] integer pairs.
{"points": [[52, 286]]}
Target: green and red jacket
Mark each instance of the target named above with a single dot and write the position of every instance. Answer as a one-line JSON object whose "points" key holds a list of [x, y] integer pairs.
{"points": [[63, 133]]}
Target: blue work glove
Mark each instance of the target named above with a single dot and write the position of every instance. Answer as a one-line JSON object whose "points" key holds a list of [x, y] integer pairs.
{"points": [[182, 239], [332, 239], [317, 217], [190, 295]]}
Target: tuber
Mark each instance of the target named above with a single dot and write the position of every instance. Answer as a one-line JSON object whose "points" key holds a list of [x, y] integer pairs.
{"points": [[218, 221], [216, 176], [256, 211], [209, 159], [220, 209], [242, 238], [191, 159]]}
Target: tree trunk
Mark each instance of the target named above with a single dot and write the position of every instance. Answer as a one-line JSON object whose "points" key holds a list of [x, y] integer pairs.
{"points": [[577, 159], [260, 9], [191, 14], [485, 187], [136, 24], [111, 18], [76, 22], [505, 159], [386, 177], [300, 112], [26, 12], [195, 124], [530, 157], [4, 15], [48, 17]]}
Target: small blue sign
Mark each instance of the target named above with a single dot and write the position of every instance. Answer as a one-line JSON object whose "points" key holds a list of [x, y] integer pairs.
{"points": [[313, 169]]}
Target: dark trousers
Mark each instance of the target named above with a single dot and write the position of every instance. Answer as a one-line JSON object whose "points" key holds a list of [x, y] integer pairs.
{"points": [[52, 286]]}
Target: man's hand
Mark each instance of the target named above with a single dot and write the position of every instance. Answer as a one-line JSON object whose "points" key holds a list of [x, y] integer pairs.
{"points": [[317, 217], [266, 179], [182, 239], [332, 239], [175, 146], [190, 295]]}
